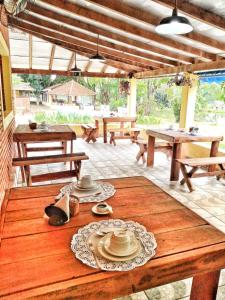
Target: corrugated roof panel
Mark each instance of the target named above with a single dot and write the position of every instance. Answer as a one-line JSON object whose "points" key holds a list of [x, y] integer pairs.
{"points": [[41, 49]]}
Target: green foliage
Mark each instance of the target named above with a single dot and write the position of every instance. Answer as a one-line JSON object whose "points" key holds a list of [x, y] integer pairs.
{"points": [[154, 98], [207, 94], [61, 118], [16, 79], [38, 82], [148, 120]]}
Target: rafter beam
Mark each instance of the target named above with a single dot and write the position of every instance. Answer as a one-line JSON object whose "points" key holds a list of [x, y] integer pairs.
{"points": [[118, 24], [88, 65], [30, 51], [104, 69], [152, 20], [66, 73], [72, 60], [157, 51], [51, 57], [84, 52], [203, 66], [108, 53], [145, 58], [196, 12]]}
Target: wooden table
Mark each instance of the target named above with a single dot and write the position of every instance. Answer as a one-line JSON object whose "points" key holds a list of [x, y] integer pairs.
{"points": [[177, 138], [57, 133], [36, 260]]}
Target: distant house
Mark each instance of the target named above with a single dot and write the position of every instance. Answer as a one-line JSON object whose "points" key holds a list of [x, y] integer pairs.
{"points": [[70, 92], [24, 94]]}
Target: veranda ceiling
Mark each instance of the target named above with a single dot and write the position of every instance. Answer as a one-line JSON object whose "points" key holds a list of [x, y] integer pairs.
{"points": [[127, 37]]}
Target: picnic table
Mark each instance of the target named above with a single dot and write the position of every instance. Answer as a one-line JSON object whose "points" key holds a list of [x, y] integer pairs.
{"points": [[37, 262], [23, 135], [56, 133], [177, 138]]}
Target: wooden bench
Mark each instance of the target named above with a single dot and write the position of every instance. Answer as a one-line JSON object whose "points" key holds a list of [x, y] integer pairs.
{"points": [[159, 146], [196, 164], [125, 133], [26, 162], [121, 132], [90, 132]]}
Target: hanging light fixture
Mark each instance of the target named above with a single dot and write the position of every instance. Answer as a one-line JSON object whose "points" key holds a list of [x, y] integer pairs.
{"points": [[97, 57], [76, 71], [174, 24]]}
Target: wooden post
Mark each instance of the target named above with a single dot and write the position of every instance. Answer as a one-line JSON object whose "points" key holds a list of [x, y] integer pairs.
{"points": [[188, 102], [132, 98]]}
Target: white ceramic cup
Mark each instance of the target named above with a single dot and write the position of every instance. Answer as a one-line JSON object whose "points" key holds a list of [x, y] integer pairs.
{"points": [[86, 182], [121, 241], [102, 207]]}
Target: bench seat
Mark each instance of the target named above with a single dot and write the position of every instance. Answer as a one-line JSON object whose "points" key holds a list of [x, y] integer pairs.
{"points": [[196, 164], [123, 133], [159, 146], [26, 162], [90, 132]]}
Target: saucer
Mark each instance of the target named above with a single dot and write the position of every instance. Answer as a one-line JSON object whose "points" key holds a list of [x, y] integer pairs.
{"points": [[133, 249], [95, 211], [105, 254]]}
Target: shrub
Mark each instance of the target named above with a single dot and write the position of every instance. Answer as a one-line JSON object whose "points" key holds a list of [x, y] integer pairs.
{"points": [[61, 118]]}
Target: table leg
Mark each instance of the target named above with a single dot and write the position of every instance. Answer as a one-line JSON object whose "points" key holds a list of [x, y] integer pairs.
{"points": [[204, 286], [175, 166], [21, 168], [150, 151], [213, 152], [71, 151], [97, 126], [105, 132]]}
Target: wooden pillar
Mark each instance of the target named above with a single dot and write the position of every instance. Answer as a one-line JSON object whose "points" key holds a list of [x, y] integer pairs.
{"points": [[132, 98], [188, 102]]}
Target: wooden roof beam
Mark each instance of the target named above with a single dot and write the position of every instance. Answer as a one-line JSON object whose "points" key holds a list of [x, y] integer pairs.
{"points": [[84, 52], [203, 66], [148, 18], [72, 60], [66, 73], [81, 11], [104, 68], [196, 12], [30, 51], [145, 58], [114, 55], [167, 55], [88, 65], [51, 57]]}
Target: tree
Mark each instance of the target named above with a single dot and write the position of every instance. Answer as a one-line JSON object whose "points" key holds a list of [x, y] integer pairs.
{"points": [[37, 82]]}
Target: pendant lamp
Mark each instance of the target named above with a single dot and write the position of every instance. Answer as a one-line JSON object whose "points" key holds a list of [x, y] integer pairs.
{"points": [[76, 71], [97, 57], [174, 24]]}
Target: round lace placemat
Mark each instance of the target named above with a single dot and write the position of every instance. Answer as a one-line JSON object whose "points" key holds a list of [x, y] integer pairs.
{"points": [[106, 190], [80, 247]]}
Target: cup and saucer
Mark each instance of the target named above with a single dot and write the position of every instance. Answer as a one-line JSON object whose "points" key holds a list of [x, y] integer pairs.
{"points": [[102, 208], [86, 184], [121, 245]]}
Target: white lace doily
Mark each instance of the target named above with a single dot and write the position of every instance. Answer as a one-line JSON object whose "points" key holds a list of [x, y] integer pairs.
{"points": [[107, 191], [79, 245]]}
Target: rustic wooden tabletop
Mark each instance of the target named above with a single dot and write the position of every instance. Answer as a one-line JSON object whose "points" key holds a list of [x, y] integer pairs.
{"points": [[36, 260]]}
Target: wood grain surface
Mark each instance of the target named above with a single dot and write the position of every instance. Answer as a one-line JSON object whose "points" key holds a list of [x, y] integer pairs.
{"points": [[36, 260]]}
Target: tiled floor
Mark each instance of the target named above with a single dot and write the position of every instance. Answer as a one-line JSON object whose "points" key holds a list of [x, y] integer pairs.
{"points": [[208, 200]]}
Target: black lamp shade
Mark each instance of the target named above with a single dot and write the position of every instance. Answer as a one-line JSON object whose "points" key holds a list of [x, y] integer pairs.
{"points": [[97, 57], [174, 25]]}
